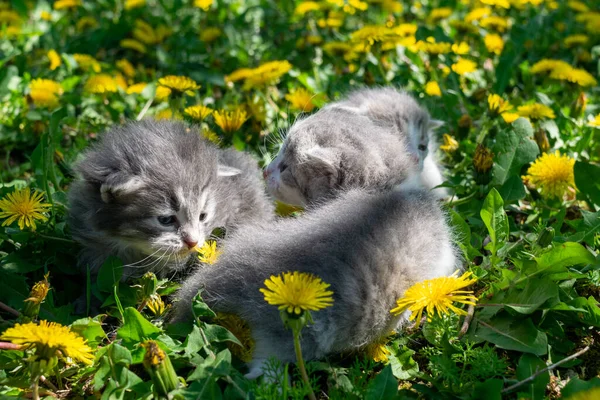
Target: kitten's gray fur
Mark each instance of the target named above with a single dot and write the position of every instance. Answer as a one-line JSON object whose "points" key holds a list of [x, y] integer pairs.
{"points": [[369, 246], [140, 171], [374, 138]]}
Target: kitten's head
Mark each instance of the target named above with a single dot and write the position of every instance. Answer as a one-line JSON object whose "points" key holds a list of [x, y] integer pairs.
{"points": [[151, 186]]}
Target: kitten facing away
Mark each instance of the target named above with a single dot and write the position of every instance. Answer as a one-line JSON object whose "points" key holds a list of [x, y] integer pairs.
{"points": [[374, 138], [369, 246], [148, 192]]}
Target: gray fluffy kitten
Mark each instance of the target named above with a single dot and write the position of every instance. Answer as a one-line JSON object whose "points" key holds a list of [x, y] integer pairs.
{"points": [[369, 246], [150, 191], [374, 138]]}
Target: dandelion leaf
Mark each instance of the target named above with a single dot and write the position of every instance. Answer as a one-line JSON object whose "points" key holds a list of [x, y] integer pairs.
{"points": [[529, 365], [514, 148]]}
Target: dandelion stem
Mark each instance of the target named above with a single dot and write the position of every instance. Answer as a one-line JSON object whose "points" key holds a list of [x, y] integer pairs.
{"points": [[300, 362], [9, 346], [35, 389], [9, 309]]}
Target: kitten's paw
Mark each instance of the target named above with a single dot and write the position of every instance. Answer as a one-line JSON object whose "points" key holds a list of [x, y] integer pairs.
{"points": [[255, 368]]}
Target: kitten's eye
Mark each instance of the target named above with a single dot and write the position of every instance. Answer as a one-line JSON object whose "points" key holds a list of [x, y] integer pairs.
{"points": [[167, 219], [202, 216], [282, 167], [422, 147]]}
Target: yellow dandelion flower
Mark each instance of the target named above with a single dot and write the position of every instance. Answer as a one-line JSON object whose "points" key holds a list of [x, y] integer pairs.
{"points": [[432, 88], [578, 6], [463, 27], [50, 340], [405, 30], [392, 6], [450, 144], [552, 174], [54, 59], [179, 84], [483, 159], [595, 122], [461, 48], [436, 295], [509, 117], [127, 68], [497, 3], [574, 75], [87, 62], [296, 292], [438, 14], [157, 306], [165, 114], [494, 22], [154, 355], [241, 330], [307, 6], [547, 65], [45, 92], [575, 40], [210, 34], [331, 22], [266, 74], [11, 31], [136, 88], [86, 22], [494, 43], [198, 112], [162, 93], [102, 83], [211, 135], [238, 75], [230, 121], [208, 253], [590, 394], [301, 99], [378, 351], [463, 66], [432, 47], [535, 111], [65, 4], [372, 33], [131, 4], [39, 291], [203, 4], [497, 105], [133, 45], [47, 85], [478, 13]]}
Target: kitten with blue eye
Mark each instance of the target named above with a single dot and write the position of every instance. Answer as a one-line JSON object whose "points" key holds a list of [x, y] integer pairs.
{"points": [[374, 138], [149, 192], [369, 246]]}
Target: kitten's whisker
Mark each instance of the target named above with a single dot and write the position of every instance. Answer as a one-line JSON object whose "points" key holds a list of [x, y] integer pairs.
{"points": [[142, 260]]}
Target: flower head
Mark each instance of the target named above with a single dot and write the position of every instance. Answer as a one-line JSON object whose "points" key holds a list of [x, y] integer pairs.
{"points": [[266, 74], [509, 117], [241, 330], [595, 122], [179, 83], [464, 66], [54, 59], [65, 4], [575, 40], [301, 99], [436, 295], [438, 14], [39, 291], [208, 253], [483, 159], [574, 75], [433, 89], [131, 4], [156, 305], [378, 351], [450, 144], [87, 62], [211, 135], [494, 43], [198, 112], [102, 83], [45, 92], [494, 22], [136, 88], [535, 111], [461, 48], [126, 67], [296, 292], [547, 65], [50, 340], [230, 121], [23, 206], [497, 105], [203, 4], [552, 174], [133, 45]]}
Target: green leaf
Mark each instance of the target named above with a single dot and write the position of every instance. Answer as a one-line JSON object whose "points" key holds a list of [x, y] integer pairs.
{"points": [[587, 227], [495, 219], [212, 367], [90, 329], [216, 333], [563, 255], [514, 148], [529, 299], [383, 387], [488, 390], [136, 328], [200, 309], [513, 189], [109, 274], [529, 365], [509, 333], [577, 385], [586, 180]]}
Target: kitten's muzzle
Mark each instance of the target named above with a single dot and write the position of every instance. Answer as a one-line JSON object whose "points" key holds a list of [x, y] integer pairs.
{"points": [[190, 243]]}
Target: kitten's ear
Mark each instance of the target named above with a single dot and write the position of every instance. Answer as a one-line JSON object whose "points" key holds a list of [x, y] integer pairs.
{"points": [[117, 185], [326, 159], [435, 124], [224, 170]]}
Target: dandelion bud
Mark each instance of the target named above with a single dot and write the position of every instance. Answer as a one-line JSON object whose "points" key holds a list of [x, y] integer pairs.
{"points": [[36, 297], [450, 144], [157, 306], [579, 106], [542, 140], [545, 237], [464, 125], [482, 162], [159, 367], [148, 285]]}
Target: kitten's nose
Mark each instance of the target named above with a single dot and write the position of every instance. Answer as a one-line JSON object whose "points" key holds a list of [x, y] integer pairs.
{"points": [[190, 243]]}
